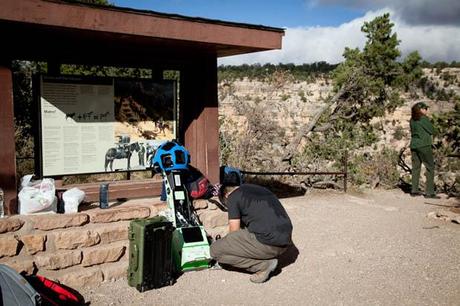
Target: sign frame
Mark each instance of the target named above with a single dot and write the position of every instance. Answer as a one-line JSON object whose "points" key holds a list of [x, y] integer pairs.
{"points": [[119, 85]]}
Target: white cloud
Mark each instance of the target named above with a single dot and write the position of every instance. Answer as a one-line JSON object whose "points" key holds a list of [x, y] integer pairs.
{"points": [[416, 12], [314, 44]]}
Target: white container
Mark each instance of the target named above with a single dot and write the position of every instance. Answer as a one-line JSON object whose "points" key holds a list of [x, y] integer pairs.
{"points": [[72, 198]]}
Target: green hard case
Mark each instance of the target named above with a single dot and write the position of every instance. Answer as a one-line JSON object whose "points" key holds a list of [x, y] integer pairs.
{"points": [[150, 257]]}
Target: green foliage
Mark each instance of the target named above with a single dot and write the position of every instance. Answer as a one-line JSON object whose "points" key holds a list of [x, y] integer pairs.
{"points": [[372, 76], [368, 84], [412, 70], [301, 94], [380, 52], [321, 149], [285, 97], [24, 113], [399, 133], [447, 145], [105, 71], [447, 125], [380, 168], [372, 79], [304, 72]]}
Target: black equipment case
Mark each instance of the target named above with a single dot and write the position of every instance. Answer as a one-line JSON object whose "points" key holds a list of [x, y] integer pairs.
{"points": [[150, 257]]}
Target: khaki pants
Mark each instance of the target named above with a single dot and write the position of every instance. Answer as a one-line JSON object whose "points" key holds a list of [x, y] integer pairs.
{"points": [[241, 249]]}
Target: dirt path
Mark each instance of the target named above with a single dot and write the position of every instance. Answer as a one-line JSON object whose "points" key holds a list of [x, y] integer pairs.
{"points": [[373, 249]]}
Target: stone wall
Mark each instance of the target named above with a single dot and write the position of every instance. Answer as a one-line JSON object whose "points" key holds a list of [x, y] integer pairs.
{"points": [[75, 249], [88, 247]]}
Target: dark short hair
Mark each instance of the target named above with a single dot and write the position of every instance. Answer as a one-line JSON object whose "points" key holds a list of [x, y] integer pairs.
{"points": [[224, 190]]}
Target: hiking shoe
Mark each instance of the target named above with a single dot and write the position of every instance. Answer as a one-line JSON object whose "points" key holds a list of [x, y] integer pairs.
{"points": [[264, 275], [216, 266], [431, 196]]}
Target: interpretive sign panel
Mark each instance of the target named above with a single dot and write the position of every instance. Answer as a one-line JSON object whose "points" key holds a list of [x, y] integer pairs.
{"points": [[103, 124]]}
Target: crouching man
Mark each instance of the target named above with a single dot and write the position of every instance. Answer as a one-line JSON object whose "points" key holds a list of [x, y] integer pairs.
{"points": [[259, 231]]}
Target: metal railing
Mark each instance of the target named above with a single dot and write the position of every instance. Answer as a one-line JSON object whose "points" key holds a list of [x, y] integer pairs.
{"points": [[343, 173]]}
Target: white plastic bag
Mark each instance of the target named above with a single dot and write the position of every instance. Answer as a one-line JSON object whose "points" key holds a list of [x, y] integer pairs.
{"points": [[72, 198], [36, 196]]}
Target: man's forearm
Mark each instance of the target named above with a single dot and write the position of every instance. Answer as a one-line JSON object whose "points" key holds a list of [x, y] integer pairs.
{"points": [[234, 225]]}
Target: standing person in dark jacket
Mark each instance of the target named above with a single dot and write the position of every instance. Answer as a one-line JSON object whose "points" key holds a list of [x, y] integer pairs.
{"points": [[421, 131], [259, 231]]}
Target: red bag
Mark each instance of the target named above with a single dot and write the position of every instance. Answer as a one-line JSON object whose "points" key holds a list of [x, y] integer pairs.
{"points": [[54, 294], [199, 188], [197, 184]]}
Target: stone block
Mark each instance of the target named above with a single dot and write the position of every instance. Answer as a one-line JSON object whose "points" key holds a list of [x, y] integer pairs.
{"points": [[161, 206], [214, 218], [118, 214], [10, 224], [115, 271], [153, 211], [22, 265], [50, 222], [102, 254], [34, 243], [58, 260], [72, 239], [9, 246], [114, 233], [200, 204], [82, 278]]}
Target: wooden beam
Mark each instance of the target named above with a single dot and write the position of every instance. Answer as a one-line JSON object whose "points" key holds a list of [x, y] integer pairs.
{"points": [[8, 151], [120, 189]]}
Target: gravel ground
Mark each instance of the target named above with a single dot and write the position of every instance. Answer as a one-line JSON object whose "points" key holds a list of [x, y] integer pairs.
{"points": [[377, 248]]}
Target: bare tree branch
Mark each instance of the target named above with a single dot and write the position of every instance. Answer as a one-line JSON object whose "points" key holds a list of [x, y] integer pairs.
{"points": [[401, 161], [323, 128], [307, 128]]}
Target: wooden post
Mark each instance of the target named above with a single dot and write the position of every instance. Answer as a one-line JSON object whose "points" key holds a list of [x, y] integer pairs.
{"points": [[200, 125], [8, 180]]}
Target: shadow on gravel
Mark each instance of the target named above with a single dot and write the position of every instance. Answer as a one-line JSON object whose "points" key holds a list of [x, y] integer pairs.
{"points": [[280, 189], [404, 186], [288, 257]]}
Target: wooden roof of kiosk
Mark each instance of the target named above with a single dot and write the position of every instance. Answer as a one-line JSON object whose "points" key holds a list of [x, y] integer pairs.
{"points": [[60, 32]]}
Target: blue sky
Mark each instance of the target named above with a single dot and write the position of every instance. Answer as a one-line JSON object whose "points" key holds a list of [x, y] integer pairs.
{"points": [[287, 13], [319, 30]]}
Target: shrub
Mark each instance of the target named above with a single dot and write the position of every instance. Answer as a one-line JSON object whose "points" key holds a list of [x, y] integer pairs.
{"points": [[378, 169], [399, 133]]}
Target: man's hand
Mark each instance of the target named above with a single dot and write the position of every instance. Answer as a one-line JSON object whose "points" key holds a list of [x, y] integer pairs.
{"points": [[234, 225]]}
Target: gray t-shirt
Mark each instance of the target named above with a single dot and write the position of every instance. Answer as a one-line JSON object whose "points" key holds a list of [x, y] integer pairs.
{"points": [[261, 213]]}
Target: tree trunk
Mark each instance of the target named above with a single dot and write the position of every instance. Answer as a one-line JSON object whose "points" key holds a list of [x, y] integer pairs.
{"points": [[308, 127]]}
